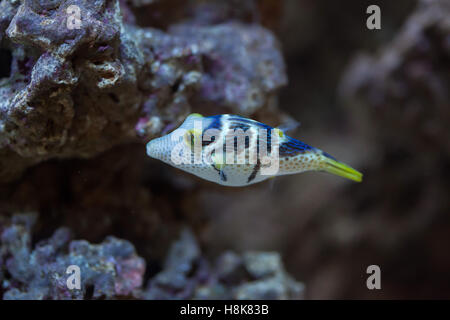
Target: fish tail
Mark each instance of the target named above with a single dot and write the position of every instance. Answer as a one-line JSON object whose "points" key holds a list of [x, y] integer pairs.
{"points": [[331, 165]]}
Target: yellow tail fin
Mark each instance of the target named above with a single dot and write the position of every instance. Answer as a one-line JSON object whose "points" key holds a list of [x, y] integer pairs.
{"points": [[342, 170]]}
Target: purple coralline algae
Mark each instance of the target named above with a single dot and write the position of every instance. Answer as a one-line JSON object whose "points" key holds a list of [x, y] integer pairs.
{"points": [[76, 90], [109, 269], [81, 82], [112, 269], [253, 275]]}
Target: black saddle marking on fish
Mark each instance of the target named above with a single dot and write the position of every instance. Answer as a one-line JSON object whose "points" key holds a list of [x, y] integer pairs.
{"points": [[267, 140], [216, 122], [207, 143], [222, 175], [243, 122], [255, 171], [237, 124], [247, 134], [250, 121], [247, 142]]}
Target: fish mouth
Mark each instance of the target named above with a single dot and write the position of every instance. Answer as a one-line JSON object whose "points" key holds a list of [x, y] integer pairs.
{"points": [[151, 149]]}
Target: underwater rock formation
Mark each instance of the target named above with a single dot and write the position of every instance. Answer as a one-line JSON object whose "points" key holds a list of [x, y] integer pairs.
{"points": [[136, 68], [112, 269], [78, 90], [109, 269], [405, 87], [77, 104], [253, 275]]}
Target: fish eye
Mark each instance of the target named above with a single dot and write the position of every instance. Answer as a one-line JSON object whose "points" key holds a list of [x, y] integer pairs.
{"points": [[191, 137], [197, 115]]}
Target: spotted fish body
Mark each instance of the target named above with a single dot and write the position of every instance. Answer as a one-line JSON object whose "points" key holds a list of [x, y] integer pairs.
{"points": [[195, 148]]}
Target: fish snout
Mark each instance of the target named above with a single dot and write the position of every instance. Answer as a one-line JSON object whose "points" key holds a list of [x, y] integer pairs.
{"points": [[152, 150]]}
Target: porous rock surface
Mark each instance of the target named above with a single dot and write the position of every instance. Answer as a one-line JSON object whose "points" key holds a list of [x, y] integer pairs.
{"points": [[77, 90]]}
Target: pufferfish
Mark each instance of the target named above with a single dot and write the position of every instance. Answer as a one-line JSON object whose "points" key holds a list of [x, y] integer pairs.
{"points": [[235, 151]]}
